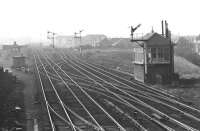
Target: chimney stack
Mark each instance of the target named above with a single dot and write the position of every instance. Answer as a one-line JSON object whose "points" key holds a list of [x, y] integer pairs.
{"points": [[166, 29], [162, 28]]}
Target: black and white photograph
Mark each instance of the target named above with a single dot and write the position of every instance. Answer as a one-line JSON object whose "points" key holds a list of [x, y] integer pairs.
{"points": [[99, 65]]}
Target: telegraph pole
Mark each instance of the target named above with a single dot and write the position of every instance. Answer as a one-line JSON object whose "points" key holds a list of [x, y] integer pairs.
{"points": [[51, 36], [80, 40], [79, 37]]}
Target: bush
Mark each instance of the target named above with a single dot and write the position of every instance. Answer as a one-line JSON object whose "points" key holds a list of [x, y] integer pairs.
{"points": [[185, 48]]}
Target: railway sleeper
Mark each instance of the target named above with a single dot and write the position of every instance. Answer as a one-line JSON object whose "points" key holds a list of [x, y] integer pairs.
{"points": [[124, 115]]}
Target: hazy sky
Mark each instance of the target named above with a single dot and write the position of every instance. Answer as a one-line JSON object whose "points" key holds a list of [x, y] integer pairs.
{"points": [[32, 18]]}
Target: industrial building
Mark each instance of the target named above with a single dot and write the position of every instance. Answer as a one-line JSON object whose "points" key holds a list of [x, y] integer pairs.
{"points": [[12, 50], [93, 39], [14, 47], [154, 57]]}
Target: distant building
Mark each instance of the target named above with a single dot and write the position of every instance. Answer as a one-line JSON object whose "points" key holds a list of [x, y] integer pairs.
{"points": [[197, 46], [93, 39], [153, 59], [64, 41], [14, 49], [71, 41]]}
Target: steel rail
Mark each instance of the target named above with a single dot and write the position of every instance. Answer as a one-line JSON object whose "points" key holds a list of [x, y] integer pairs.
{"points": [[75, 114], [90, 65], [165, 127], [163, 103], [152, 119], [156, 110], [167, 105], [45, 99], [68, 80], [141, 102], [66, 113], [117, 80], [141, 84], [79, 101], [121, 128], [157, 101], [150, 94], [164, 92], [53, 76], [63, 119], [127, 115], [72, 75], [160, 102], [81, 118], [189, 115]]}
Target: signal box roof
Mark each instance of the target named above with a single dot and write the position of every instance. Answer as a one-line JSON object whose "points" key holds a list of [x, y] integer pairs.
{"points": [[152, 39]]}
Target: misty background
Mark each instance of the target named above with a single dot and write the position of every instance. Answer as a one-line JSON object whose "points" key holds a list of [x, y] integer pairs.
{"points": [[29, 20]]}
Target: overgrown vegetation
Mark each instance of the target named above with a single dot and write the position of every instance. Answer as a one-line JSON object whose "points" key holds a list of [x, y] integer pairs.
{"points": [[186, 48]]}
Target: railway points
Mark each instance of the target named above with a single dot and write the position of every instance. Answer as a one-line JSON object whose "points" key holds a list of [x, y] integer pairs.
{"points": [[91, 97]]}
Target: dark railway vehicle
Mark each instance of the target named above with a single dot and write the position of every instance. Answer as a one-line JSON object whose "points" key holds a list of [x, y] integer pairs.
{"points": [[19, 61]]}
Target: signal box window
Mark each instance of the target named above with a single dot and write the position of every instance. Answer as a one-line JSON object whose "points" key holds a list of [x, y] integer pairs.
{"points": [[159, 55]]}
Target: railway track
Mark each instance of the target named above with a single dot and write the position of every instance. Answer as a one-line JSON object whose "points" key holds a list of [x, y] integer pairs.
{"points": [[101, 99], [106, 119], [171, 98], [197, 113]]}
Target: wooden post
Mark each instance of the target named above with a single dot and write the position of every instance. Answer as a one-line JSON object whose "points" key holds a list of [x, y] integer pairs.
{"points": [[145, 61]]}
